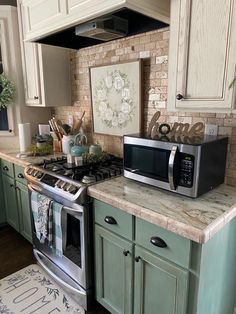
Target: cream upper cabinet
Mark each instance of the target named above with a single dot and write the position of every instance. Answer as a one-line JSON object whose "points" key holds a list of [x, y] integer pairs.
{"points": [[202, 55], [46, 71], [45, 17], [42, 13]]}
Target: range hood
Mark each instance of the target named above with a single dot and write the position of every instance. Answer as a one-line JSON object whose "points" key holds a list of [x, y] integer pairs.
{"points": [[104, 29], [122, 23]]}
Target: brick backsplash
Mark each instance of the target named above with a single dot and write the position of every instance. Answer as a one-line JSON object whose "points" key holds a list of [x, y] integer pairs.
{"points": [[152, 48]]}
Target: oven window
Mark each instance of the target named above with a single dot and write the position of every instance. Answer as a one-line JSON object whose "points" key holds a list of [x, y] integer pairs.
{"points": [[148, 161], [73, 243]]}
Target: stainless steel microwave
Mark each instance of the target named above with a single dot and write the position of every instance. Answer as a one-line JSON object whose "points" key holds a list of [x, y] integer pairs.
{"points": [[189, 166]]}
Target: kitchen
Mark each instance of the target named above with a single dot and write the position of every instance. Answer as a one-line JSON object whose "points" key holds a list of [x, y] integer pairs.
{"points": [[158, 53]]}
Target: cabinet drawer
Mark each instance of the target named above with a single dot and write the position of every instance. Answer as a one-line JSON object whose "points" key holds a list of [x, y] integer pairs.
{"points": [[7, 168], [19, 174], [152, 237], [113, 219]]}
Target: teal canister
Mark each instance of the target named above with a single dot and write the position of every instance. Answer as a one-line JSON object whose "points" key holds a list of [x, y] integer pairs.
{"points": [[95, 149]]}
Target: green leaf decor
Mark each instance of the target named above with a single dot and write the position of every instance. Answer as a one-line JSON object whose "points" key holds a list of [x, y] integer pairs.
{"points": [[7, 91]]}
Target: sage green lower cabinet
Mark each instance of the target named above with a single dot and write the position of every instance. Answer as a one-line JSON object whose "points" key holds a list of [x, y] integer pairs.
{"points": [[159, 285], [16, 198], [24, 210], [12, 213], [2, 204], [113, 271], [136, 275]]}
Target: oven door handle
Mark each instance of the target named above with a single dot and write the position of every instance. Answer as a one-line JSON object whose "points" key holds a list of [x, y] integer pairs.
{"points": [[37, 255], [171, 165], [34, 188]]}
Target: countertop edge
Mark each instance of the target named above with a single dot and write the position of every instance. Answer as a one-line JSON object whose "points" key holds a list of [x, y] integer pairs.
{"points": [[186, 231], [15, 160]]}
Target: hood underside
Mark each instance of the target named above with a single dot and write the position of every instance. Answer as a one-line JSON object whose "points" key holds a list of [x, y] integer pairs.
{"points": [[137, 23]]}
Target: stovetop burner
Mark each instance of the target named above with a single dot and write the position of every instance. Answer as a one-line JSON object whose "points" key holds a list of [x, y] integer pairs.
{"points": [[58, 174]]}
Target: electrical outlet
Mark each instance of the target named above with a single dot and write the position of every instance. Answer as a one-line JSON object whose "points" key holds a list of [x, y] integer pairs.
{"points": [[70, 120], [211, 129]]}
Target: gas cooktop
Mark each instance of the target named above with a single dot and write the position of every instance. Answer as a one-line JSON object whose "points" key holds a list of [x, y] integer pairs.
{"points": [[69, 180]]}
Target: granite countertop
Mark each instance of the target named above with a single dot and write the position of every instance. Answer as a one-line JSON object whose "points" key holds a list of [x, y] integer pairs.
{"points": [[11, 156], [196, 219]]}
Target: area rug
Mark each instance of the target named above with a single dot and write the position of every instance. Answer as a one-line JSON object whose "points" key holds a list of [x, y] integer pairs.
{"points": [[31, 290]]}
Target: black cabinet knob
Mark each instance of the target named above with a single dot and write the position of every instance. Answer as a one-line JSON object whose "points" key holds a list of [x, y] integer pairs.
{"points": [[5, 168], [110, 220], [36, 97], [137, 259], [20, 176], [158, 242], [126, 252], [12, 185], [179, 96]]}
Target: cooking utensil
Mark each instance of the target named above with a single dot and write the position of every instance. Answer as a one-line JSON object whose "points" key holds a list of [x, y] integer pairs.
{"points": [[66, 128], [55, 129], [60, 125], [78, 124]]}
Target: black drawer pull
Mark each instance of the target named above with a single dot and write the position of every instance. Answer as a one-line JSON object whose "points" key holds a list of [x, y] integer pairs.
{"points": [[110, 220], [5, 168], [20, 176], [12, 185], [158, 242], [179, 97], [126, 252], [137, 259]]}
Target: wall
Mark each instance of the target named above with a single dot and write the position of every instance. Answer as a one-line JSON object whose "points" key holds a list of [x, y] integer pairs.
{"points": [[152, 47]]}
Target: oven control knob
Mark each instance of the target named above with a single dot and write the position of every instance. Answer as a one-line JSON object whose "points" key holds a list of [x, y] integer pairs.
{"points": [[73, 189], [63, 185], [30, 170], [34, 173], [39, 175], [58, 183]]}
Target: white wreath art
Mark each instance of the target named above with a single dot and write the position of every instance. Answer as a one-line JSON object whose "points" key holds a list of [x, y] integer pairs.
{"points": [[115, 114]]}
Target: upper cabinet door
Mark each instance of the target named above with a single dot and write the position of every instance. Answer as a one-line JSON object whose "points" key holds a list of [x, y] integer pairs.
{"points": [[202, 54], [46, 71], [42, 13]]}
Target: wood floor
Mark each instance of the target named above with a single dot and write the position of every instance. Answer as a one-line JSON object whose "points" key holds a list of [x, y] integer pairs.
{"points": [[16, 253]]}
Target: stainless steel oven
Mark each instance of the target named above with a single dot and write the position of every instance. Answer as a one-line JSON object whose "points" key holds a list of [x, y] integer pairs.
{"points": [[73, 269], [67, 185]]}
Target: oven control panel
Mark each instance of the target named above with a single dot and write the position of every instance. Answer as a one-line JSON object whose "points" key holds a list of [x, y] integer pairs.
{"points": [[58, 185]]}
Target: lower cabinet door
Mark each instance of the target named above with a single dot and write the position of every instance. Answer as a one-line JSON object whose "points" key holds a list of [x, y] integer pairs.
{"points": [[10, 202], [24, 211], [2, 204], [113, 257], [160, 287]]}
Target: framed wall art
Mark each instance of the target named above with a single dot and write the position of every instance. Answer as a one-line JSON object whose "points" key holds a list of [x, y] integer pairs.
{"points": [[116, 95]]}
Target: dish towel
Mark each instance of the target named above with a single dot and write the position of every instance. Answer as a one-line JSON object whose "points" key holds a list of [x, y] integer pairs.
{"points": [[57, 231], [40, 205]]}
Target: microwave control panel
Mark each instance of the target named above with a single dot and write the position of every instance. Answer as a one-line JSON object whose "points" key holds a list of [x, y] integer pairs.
{"points": [[186, 170]]}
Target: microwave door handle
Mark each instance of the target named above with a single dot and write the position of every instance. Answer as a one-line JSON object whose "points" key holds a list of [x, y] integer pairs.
{"points": [[171, 167]]}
